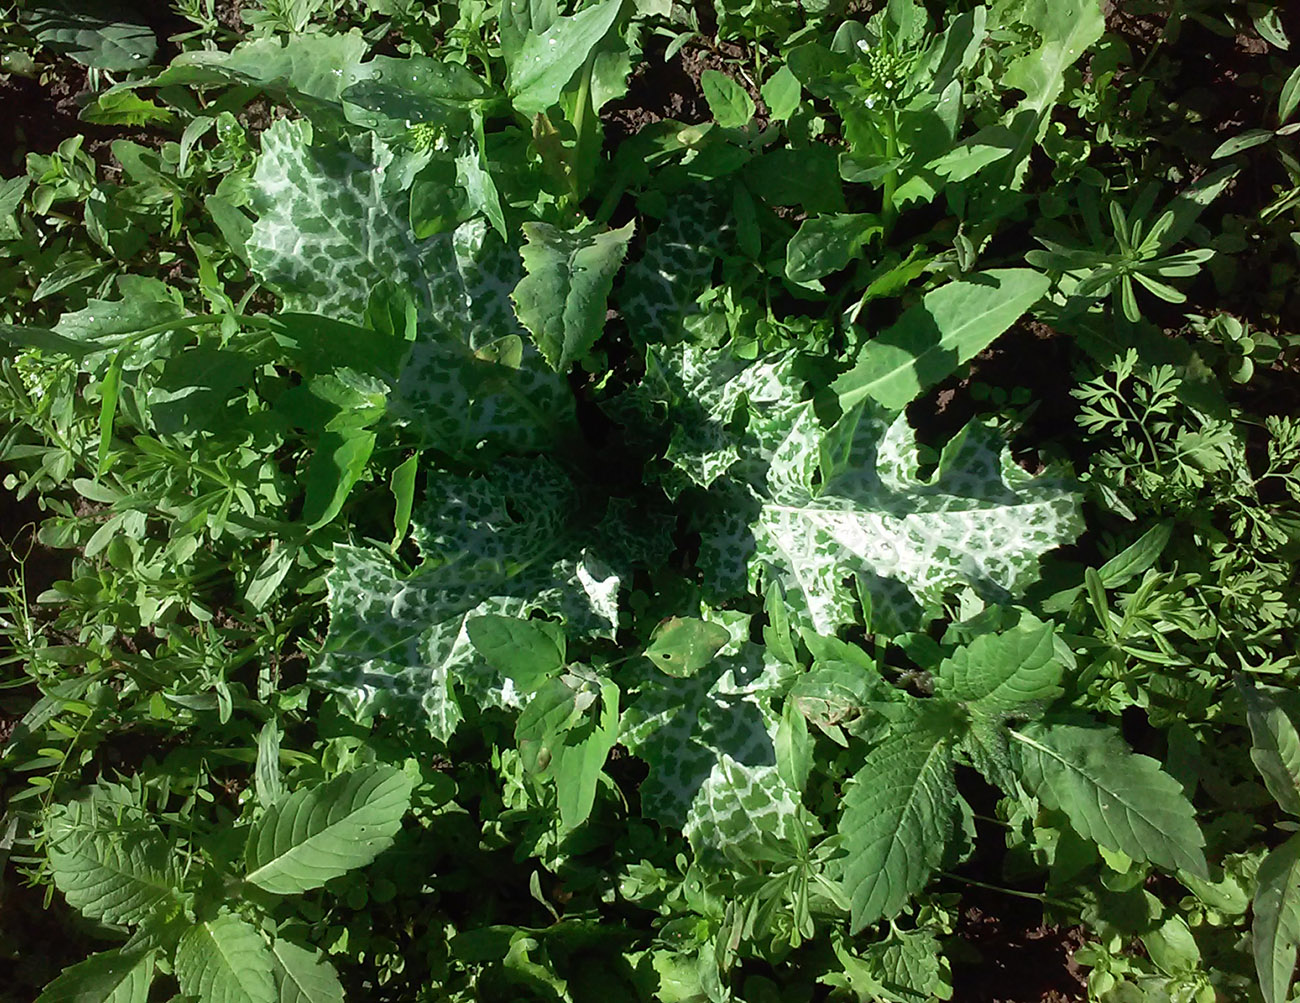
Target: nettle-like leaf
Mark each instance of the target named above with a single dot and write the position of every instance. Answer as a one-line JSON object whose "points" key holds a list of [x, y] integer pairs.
{"points": [[107, 977], [1275, 741], [899, 814], [1121, 800], [997, 673], [562, 298], [304, 976], [875, 527], [709, 742], [498, 545], [108, 860], [320, 833], [330, 233], [225, 960]]}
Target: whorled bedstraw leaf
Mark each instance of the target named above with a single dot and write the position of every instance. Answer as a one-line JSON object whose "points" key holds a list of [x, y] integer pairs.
{"points": [[978, 520], [1275, 932], [562, 297], [1121, 800], [493, 545], [225, 960], [900, 811], [997, 673], [108, 860], [319, 833], [951, 325], [106, 977], [1273, 714]]}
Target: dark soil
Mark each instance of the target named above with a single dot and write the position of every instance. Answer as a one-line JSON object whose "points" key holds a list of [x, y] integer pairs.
{"points": [[1008, 955]]}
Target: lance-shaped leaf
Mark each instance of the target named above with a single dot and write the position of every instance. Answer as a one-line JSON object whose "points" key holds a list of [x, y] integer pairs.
{"points": [[899, 814], [107, 977], [319, 833], [996, 673], [1275, 932], [979, 520], [1113, 796], [494, 545], [225, 960], [108, 861], [562, 297], [1275, 749], [950, 326]]}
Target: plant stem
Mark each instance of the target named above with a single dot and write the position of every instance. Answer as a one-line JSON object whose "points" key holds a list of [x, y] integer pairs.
{"points": [[1035, 896]]}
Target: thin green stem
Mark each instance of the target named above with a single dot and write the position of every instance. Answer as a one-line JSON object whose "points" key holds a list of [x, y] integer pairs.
{"points": [[1035, 896]]}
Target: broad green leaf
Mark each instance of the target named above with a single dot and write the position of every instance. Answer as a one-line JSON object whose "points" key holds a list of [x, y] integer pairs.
{"points": [[338, 463], [900, 811], [1067, 29], [108, 861], [528, 651], [907, 967], [225, 960], [304, 976], [1119, 799], [322, 832], [1273, 715], [681, 646], [740, 811], [997, 673], [1137, 557], [107, 977], [578, 760], [414, 89], [781, 93], [562, 297], [950, 326], [521, 18], [825, 244], [808, 177], [312, 65], [837, 693], [1275, 932], [98, 34], [731, 105], [548, 60], [979, 519]]}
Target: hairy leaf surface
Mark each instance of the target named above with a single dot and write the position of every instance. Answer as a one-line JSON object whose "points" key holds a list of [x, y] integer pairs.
{"points": [[225, 960], [304, 976], [107, 977]]}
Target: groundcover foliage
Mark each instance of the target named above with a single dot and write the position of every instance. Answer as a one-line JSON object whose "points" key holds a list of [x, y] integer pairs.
{"points": [[490, 539]]}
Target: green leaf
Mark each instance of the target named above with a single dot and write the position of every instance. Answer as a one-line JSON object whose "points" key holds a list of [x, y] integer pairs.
{"points": [[1241, 142], [900, 811], [731, 105], [402, 486], [1289, 98], [781, 93], [107, 977], [548, 60], [1137, 557], [225, 960], [414, 89], [562, 298], [907, 967], [108, 391], [528, 651], [101, 35], [997, 673], [1275, 932], [1272, 714], [577, 762], [304, 976], [825, 244], [124, 108], [322, 832], [681, 646], [1118, 799], [950, 326], [108, 861], [338, 463], [808, 177]]}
